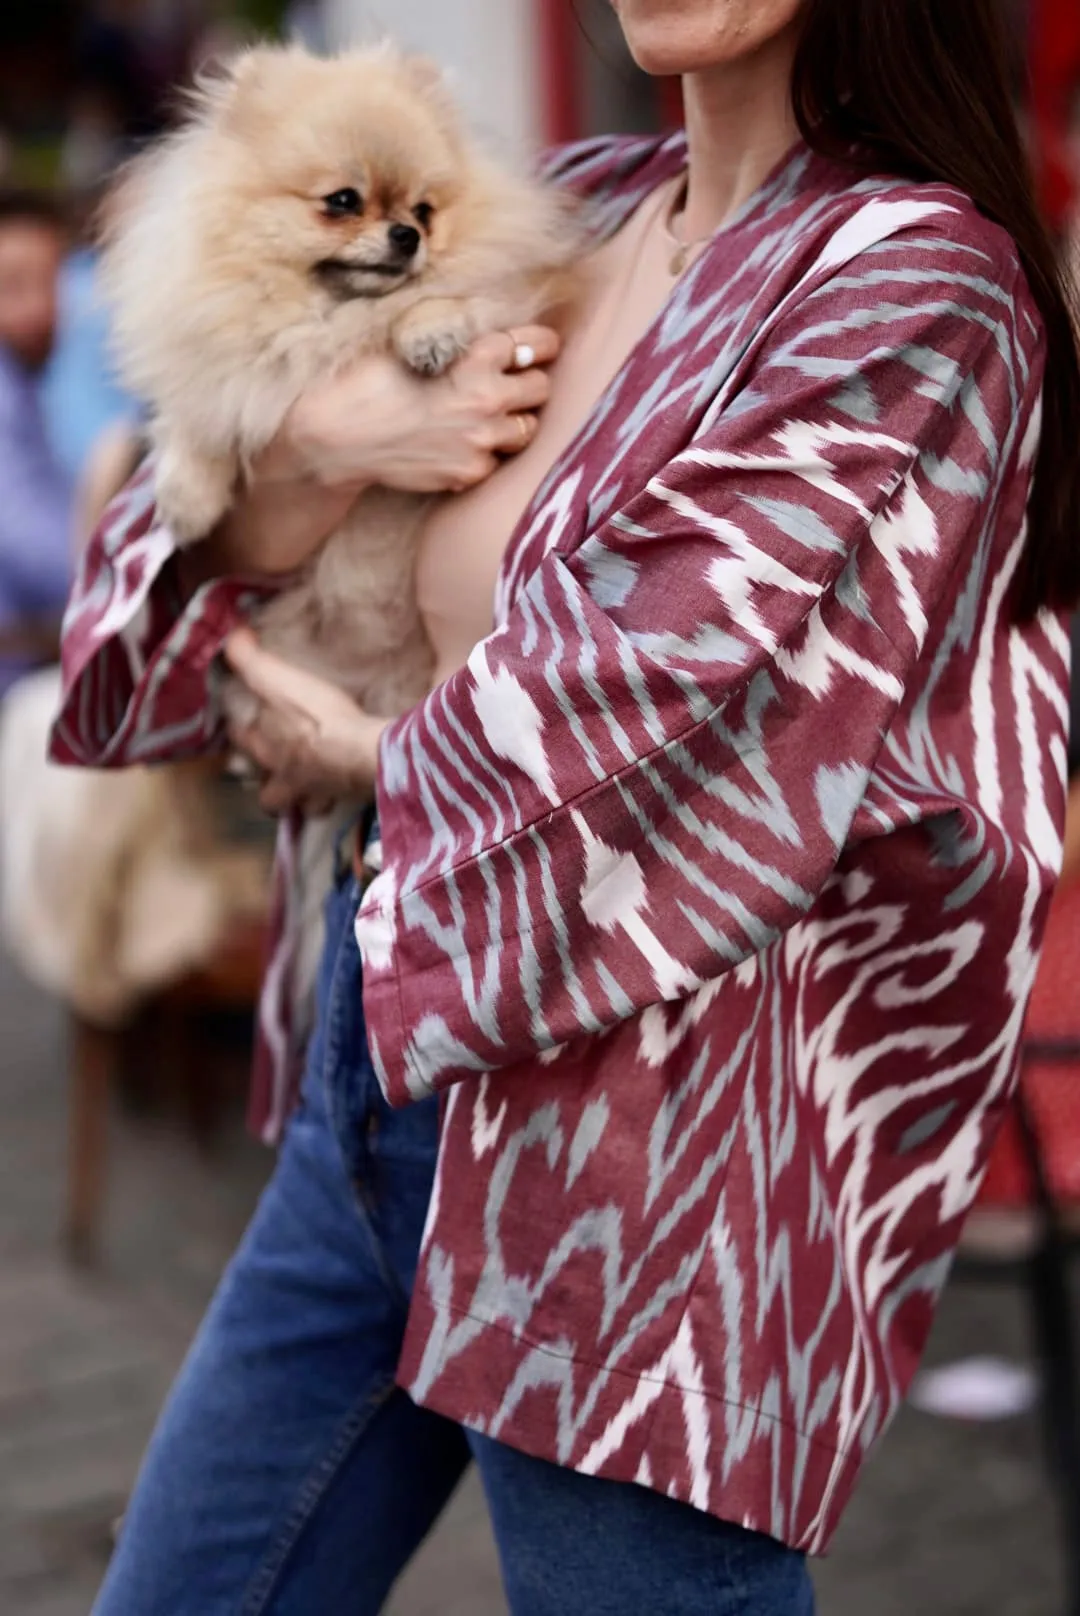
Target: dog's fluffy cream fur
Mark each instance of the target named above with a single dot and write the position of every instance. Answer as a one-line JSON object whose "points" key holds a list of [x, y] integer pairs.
{"points": [[253, 252]]}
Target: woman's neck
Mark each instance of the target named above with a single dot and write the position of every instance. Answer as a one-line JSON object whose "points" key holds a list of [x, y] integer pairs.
{"points": [[739, 124]]}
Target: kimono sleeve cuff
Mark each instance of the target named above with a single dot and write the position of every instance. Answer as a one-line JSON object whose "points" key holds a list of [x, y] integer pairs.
{"points": [[388, 1043], [412, 1009]]}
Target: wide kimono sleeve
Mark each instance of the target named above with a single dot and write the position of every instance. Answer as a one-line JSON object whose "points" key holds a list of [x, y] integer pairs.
{"points": [[138, 654], [651, 768], [138, 657]]}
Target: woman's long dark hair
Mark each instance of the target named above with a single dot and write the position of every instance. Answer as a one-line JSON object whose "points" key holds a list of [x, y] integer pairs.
{"points": [[924, 88]]}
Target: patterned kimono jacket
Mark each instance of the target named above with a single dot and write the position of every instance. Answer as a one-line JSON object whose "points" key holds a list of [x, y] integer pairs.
{"points": [[713, 886]]}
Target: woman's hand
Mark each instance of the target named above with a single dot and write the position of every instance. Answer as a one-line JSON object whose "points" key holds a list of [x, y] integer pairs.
{"points": [[314, 745], [377, 423]]}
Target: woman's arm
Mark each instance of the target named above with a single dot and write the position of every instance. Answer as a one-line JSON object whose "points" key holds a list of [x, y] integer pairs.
{"points": [[396, 430], [651, 770], [146, 622]]}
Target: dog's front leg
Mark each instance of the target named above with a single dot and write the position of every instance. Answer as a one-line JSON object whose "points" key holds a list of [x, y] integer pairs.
{"points": [[194, 489]]}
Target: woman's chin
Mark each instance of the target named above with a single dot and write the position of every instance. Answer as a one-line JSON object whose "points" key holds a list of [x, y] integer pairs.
{"points": [[662, 57], [661, 64], [660, 52], [670, 40]]}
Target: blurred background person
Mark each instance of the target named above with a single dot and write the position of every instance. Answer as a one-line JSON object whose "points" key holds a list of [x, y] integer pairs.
{"points": [[35, 494], [114, 104], [81, 397]]}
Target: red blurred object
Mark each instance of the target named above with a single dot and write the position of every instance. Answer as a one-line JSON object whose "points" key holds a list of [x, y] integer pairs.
{"points": [[1055, 82], [565, 113], [1051, 1086], [671, 103], [557, 37]]}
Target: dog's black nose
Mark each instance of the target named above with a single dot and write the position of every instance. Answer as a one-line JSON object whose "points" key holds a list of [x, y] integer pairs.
{"points": [[405, 239]]}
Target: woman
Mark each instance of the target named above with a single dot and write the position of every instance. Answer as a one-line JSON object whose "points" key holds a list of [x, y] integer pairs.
{"points": [[711, 885]]}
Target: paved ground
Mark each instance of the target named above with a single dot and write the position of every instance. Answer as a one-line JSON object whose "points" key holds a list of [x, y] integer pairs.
{"points": [[952, 1521]]}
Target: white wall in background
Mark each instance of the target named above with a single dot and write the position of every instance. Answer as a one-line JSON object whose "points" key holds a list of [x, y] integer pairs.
{"points": [[487, 44]]}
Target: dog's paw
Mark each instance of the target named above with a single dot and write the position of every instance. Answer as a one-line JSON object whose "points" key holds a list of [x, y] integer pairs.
{"points": [[433, 336], [433, 352]]}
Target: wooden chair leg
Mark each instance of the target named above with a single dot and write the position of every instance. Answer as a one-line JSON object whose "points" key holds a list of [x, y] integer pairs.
{"points": [[92, 1065]]}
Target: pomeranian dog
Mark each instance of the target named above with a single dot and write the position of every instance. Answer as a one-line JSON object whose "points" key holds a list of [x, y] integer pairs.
{"points": [[310, 211]]}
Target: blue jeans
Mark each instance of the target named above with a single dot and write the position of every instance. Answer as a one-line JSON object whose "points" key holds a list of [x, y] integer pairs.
{"points": [[289, 1475]]}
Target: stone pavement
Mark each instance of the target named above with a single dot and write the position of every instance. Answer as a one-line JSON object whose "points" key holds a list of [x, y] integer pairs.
{"points": [[952, 1520]]}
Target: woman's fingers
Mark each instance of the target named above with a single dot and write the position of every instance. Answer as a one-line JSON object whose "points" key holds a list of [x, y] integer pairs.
{"points": [[278, 801], [253, 748], [278, 795], [513, 433], [544, 341], [260, 670], [501, 383], [527, 390], [276, 682], [502, 350], [318, 807]]}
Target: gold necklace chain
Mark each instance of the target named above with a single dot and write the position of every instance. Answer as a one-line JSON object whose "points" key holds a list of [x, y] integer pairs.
{"points": [[681, 250]]}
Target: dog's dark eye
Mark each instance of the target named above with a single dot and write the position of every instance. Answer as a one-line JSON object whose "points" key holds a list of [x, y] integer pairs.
{"points": [[423, 213], [344, 203]]}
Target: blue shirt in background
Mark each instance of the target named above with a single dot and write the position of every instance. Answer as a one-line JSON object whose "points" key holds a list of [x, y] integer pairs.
{"points": [[35, 509], [80, 394]]}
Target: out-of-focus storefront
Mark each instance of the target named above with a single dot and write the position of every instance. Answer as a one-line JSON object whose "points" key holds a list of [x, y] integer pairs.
{"points": [[489, 45], [530, 70]]}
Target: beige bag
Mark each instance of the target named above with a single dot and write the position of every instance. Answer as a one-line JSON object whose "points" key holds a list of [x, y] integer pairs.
{"points": [[112, 884]]}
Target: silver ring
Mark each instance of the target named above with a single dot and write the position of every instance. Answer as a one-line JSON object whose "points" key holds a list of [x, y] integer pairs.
{"points": [[524, 356]]}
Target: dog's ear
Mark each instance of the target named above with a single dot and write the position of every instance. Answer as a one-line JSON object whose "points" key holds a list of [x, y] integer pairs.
{"points": [[217, 74], [231, 86], [429, 80], [425, 75]]}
